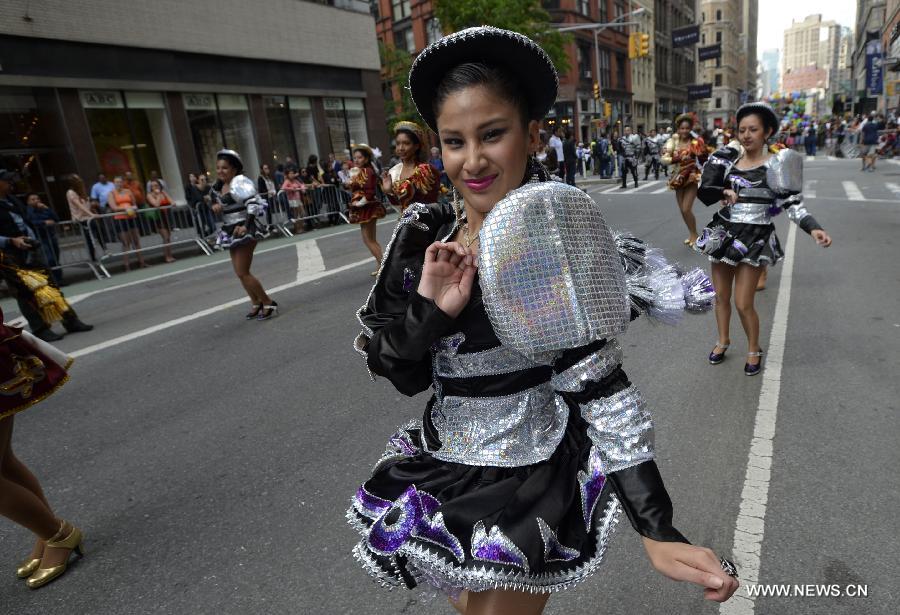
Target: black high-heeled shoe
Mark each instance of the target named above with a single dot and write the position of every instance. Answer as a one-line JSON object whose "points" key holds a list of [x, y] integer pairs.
{"points": [[268, 311], [717, 357], [254, 313], [752, 370]]}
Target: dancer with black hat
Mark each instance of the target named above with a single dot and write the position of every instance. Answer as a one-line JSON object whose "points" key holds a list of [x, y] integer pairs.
{"points": [[534, 439], [752, 182], [236, 199], [413, 179]]}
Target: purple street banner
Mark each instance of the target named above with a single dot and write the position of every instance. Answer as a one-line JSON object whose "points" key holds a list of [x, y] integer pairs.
{"points": [[709, 53], [688, 35], [699, 91], [874, 73]]}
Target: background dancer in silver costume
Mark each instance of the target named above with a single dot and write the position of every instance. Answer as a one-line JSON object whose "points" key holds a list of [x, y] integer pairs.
{"points": [[752, 184], [509, 307]]}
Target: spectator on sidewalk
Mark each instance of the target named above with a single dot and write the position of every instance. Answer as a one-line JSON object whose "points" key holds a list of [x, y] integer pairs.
{"points": [[570, 158], [313, 168], [154, 177], [100, 191], [81, 211], [123, 202], [295, 189], [44, 220], [334, 164], [868, 140], [279, 176], [557, 144], [159, 199], [344, 174]]}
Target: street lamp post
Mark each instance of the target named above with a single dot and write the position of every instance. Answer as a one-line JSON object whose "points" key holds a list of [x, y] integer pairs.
{"points": [[597, 28]]}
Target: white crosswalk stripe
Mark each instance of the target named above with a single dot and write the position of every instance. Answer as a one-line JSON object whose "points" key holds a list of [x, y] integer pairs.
{"points": [[665, 188], [640, 187], [893, 188], [809, 190], [853, 191], [611, 189]]}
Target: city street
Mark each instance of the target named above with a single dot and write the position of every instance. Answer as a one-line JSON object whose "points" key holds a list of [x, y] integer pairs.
{"points": [[210, 460]]}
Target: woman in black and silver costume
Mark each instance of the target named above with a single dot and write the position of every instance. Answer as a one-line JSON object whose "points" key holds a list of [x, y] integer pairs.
{"points": [[237, 200], [534, 439], [752, 182]]}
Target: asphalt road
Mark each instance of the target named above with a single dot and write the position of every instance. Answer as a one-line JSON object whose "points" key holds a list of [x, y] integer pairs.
{"points": [[210, 460]]}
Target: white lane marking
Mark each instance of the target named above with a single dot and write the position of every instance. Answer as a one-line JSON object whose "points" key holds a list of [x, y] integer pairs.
{"points": [[893, 188], [309, 259], [611, 189], [82, 296], [852, 190], [311, 277], [809, 191], [892, 160], [661, 190], [750, 524], [810, 158], [832, 158], [641, 187]]}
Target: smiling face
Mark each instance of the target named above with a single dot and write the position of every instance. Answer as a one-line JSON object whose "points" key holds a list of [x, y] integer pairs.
{"points": [[485, 145], [224, 171], [684, 129], [406, 147], [752, 133], [359, 158]]}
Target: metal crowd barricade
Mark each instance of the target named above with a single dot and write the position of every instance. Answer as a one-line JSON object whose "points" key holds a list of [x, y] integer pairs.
{"points": [[73, 244], [325, 203], [148, 222]]}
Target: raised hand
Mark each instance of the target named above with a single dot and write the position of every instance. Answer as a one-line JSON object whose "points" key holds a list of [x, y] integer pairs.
{"points": [[448, 275], [682, 562]]}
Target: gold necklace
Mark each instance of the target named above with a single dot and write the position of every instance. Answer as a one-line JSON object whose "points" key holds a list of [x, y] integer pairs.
{"points": [[466, 239]]}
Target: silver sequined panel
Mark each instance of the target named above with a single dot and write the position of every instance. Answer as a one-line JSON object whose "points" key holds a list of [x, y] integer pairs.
{"points": [[785, 172], [620, 428], [499, 360], [595, 366], [550, 273], [750, 213], [509, 431]]}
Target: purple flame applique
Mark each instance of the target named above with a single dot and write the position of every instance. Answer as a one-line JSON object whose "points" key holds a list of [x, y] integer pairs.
{"points": [[496, 548], [411, 217], [369, 505], [554, 550], [591, 484], [418, 517], [711, 239], [738, 245], [403, 443]]}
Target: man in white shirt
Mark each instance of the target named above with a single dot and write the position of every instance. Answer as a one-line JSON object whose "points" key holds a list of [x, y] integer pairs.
{"points": [[556, 143], [101, 190]]}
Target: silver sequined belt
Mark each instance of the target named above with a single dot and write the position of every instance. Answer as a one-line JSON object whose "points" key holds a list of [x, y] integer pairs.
{"points": [[749, 213], [508, 431], [234, 218], [498, 360]]}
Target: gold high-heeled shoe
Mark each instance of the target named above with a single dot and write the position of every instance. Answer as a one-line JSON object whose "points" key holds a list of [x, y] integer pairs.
{"points": [[73, 541], [27, 567]]}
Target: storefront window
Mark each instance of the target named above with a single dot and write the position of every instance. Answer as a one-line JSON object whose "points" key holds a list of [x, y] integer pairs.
{"points": [[221, 120], [238, 130], [154, 147], [22, 124], [279, 121], [304, 127], [201, 112], [356, 120]]}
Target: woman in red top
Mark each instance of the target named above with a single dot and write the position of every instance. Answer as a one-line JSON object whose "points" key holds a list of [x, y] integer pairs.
{"points": [[412, 180], [156, 198], [365, 208], [30, 371], [688, 153], [122, 202]]}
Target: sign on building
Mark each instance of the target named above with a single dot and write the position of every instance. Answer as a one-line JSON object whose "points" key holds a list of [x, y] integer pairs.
{"points": [[709, 53], [688, 35], [699, 91], [873, 68]]}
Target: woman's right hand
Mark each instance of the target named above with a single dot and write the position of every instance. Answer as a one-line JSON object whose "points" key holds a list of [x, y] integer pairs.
{"points": [[217, 208], [386, 184], [729, 197], [448, 275]]}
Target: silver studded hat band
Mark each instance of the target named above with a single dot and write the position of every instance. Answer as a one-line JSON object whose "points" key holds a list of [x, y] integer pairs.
{"points": [[492, 46], [729, 567]]}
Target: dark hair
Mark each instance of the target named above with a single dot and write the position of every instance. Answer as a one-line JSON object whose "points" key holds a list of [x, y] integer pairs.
{"points": [[292, 168], [764, 118], [421, 153], [682, 119], [500, 81], [364, 152], [28, 195], [313, 159]]}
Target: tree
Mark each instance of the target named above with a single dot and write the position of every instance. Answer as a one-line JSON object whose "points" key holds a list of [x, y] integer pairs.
{"points": [[395, 64], [525, 16]]}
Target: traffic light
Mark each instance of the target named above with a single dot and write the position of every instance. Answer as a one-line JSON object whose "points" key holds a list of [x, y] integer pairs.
{"points": [[607, 109], [643, 45], [596, 91], [633, 45]]}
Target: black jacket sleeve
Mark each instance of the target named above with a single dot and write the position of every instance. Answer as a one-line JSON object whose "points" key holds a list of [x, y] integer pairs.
{"points": [[399, 325], [714, 174]]}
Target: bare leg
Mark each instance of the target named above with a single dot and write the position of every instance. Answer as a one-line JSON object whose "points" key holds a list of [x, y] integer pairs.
{"points": [[125, 240], [241, 259], [19, 503], [136, 240], [686, 205], [505, 602], [764, 274], [745, 280], [167, 238], [460, 605], [369, 238], [723, 277]]}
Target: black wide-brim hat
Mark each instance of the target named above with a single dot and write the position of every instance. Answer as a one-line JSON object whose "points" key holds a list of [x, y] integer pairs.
{"points": [[765, 110], [512, 51]]}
